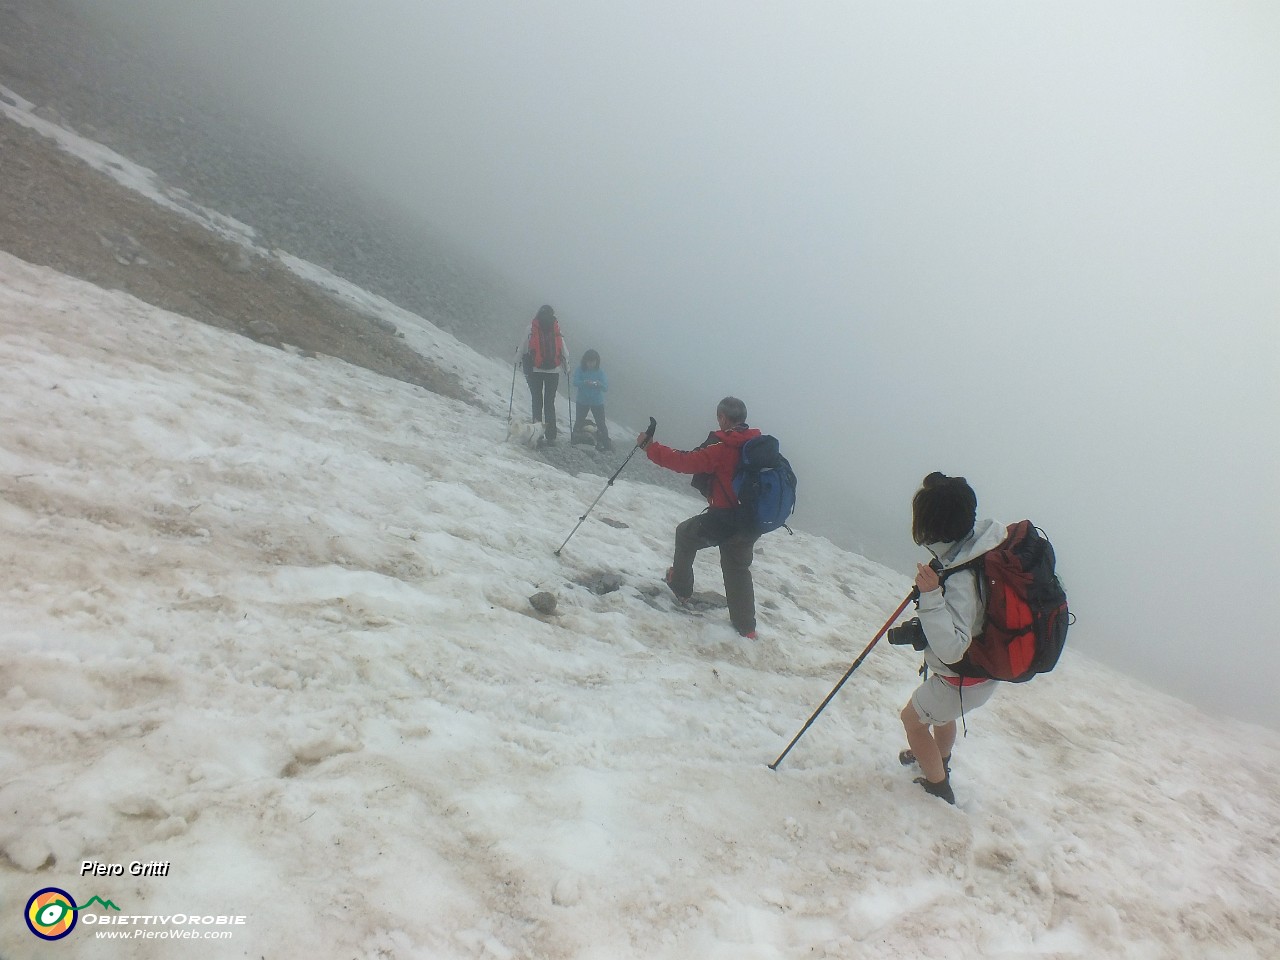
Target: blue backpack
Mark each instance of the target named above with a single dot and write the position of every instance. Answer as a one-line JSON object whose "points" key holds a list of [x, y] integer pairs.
{"points": [[765, 486]]}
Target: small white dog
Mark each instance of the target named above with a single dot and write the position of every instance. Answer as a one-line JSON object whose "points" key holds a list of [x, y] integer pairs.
{"points": [[526, 434]]}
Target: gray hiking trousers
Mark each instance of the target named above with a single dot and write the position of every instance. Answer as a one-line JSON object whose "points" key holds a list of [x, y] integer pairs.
{"points": [[715, 529]]}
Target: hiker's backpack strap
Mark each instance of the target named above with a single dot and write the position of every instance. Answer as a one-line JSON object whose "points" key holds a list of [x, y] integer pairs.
{"points": [[971, 564], [980, 580]]}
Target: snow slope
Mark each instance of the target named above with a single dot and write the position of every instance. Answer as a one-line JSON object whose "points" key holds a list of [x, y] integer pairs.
{"points": [[267, 621]]}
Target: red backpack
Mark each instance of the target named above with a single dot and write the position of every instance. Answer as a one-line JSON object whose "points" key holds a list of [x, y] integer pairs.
{"points": [[1024, 626], [548, 348]]}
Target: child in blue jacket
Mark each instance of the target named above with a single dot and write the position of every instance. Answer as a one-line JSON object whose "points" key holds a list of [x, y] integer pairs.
{"points": [[590, 384]]}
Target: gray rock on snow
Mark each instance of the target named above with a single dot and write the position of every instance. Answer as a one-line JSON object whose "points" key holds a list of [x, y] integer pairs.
{"points": [[543, 602]]}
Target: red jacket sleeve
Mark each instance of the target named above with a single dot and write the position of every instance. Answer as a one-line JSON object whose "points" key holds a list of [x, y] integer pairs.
{"points": [[706, 460], [720, 459]]}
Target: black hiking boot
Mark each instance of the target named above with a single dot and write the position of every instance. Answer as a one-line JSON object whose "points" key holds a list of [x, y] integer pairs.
{"points": [[942, 789], [679, 599]]}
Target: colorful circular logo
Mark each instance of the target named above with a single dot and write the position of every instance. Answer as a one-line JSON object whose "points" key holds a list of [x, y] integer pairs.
{"points": [[51, 913]]}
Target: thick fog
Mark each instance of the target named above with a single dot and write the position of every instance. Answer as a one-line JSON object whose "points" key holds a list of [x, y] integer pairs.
{"points": [[1037, 246]]}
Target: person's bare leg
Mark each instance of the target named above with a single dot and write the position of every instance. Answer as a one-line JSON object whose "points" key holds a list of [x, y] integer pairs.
{"points": [[944, 735], [923, 745]]}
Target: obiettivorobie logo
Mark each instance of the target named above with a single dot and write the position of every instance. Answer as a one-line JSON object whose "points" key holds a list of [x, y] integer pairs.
{"points": [[52, 913]]}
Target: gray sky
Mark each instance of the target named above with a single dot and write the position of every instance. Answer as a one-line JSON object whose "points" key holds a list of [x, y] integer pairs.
{"points": [[1037, 245]]}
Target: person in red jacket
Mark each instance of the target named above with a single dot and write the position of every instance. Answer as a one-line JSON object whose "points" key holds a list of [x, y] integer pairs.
{"points": [[544, 358], [712, 465]]}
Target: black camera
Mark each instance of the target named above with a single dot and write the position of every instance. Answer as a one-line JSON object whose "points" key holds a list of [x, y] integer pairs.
{"points": [[908, 634]]}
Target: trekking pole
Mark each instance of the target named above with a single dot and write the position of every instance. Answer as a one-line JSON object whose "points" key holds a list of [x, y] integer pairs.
{"points": [[512, 402], [568, 389], [653, 425], [568, 392], [862, 656]]}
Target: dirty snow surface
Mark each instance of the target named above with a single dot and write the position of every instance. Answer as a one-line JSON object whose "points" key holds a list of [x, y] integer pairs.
{"points": [[266, 621]]}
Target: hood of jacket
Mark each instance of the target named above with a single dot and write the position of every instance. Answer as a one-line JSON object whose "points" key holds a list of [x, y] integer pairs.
{"points": [[736, 436], [986, 535]]}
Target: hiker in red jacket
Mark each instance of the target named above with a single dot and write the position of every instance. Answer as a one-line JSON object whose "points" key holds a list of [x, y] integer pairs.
{"points": [[712, 465], [544, 358]]}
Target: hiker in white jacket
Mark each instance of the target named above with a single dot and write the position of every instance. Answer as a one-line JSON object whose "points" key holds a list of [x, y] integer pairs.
{"points": [[944, 521]]}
